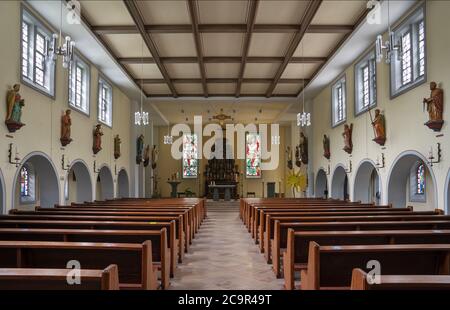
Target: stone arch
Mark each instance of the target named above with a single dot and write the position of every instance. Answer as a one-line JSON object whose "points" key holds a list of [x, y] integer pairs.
{"points": [[367, 183], [123, 184], [321, 188], [2, 194], [339, 183], [104, 184], [78, 186]]}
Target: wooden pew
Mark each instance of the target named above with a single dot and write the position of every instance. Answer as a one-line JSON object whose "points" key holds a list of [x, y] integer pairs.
{"points": [[134, 261], [158, 238], [396, 282], [330, 267], [100, 225], [56, 279], [267, 231], [279, 242]]}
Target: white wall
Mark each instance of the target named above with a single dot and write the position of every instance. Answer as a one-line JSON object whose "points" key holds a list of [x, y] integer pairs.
{"points": [[404, 116]]}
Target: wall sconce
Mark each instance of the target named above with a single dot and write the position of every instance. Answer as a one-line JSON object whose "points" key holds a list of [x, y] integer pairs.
{"points": [[16, 160], [63, 164], [349, 168], [95, 167], [378, 164], [431, 157]]}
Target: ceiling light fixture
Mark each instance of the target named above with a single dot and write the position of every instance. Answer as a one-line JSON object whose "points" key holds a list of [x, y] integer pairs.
{"points": [[141, 117], [304, 118], [55, 49], [168, 139], [389, 47]]}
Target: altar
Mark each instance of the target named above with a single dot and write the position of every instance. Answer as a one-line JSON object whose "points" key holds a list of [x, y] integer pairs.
{"points": [[224, 189]]}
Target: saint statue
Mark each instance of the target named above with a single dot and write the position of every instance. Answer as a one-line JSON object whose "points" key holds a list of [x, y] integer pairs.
{"points": [[298, 161], [117, 143], [435, 107], [139, 149], [147, 155], [326, 147], [379, 128], [289, 157], [66, 123], [303, 148], [14, 105], [98, 133], [154, 157], [347, 134]]}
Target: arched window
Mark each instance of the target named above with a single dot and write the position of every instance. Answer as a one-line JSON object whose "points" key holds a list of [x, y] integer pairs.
{"points": [[27, 184], [417, 182]]}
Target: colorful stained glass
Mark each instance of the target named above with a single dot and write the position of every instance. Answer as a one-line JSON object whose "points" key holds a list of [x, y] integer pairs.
{"points": [[190, 156], [420, 179], [253, 155], [24, 182]]}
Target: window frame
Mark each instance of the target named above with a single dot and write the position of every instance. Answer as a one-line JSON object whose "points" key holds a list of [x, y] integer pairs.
{"points": [[103, 81], [339, 81], [31, 198], [35, 23], [409, 23], [364, 61], [197, 161], [78, 58]]}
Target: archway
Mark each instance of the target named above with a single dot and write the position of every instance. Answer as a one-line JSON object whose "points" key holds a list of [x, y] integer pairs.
{"points": [[78, 186], [447, 194], [36, 182], [339, 184], [367, 184], [403, 188], [105, 184], [2, 194], [123, 185], [321, 189]]}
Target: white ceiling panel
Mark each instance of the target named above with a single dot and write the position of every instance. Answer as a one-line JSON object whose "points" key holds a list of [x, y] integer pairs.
{"points": [[287, 89], [254, 88], [222, 88], [158, 89], [222, 44], [160, 12], [145, 71], [175, 44], [127, 45], [222, 70], [261, 70], [102, 13], [318, 44], [342, 12], [279, 43], [183, 71], [281, 12], [223, 12], [299, 71]]}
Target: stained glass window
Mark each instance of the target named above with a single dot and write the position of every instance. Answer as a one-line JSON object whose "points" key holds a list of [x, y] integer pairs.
{"points": [[24, 182], [253, 155], [190, 156], [420, 179]]}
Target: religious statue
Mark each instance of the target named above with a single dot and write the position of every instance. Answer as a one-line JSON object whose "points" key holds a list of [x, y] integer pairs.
{"points": [[66, 123], [139, 149], [154, 157], [347, 134], [14, 105], [326, 147], [289, 158], [98, 133], [117, 143], [303, 148], [379, 128], [435, 107], [147, 155], [298, 161]]}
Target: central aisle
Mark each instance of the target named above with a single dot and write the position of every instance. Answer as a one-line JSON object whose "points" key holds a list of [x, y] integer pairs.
{"points": [[223, 256]]}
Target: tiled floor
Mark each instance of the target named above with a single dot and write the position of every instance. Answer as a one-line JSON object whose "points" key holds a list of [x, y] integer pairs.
{"points": [[223, 256]]}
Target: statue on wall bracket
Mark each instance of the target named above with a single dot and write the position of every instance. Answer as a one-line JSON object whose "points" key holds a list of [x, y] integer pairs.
{"points": [[347, 134], [326, 147], [139, 149], [289, 158], [117, 143], [14, 105], [147, 155], [154, 157], [298, 161], [97, 133], [66, 123], [379, 127], [303, 148], [435, 107]]}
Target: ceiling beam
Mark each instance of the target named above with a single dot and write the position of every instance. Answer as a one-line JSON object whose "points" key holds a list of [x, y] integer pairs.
{"points": [[220, 95], [136, 15], [222, 81], [248, 39], [193, 5], [257, 59], [221, 28], [307, 18]]}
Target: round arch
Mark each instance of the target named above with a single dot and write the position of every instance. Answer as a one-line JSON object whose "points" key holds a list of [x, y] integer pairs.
{"points": [[321, 188], [339, 183], [2, 194], [367, 183], [398, 179], [447, 193], [47, 187], [123, 184], [78, 183], [105, 184]]}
